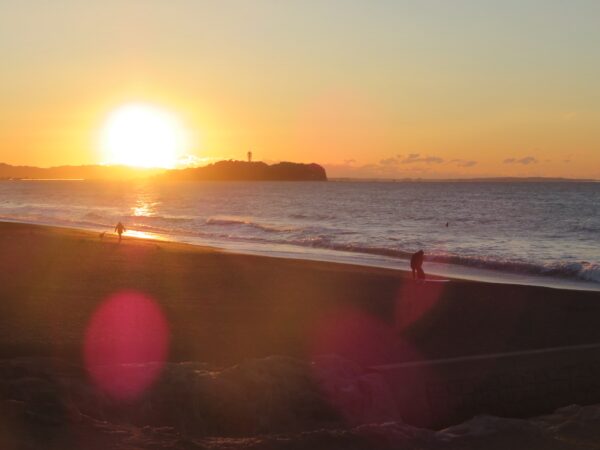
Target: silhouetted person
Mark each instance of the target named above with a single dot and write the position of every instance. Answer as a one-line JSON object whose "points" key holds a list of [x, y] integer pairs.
{"points": [[447, 223], [416, 264], [120, 228]]}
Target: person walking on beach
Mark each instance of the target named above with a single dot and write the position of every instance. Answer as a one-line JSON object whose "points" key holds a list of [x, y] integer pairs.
{"points": [[120, 228], [416, 264]]}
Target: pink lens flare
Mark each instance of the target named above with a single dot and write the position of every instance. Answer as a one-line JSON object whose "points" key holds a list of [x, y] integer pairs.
{"points": [[415, 300], [126, 345], [355, 335], [348, 345]]}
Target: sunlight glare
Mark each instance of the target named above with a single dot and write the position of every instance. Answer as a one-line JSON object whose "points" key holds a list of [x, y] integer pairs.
{"points": [[142, 135]]}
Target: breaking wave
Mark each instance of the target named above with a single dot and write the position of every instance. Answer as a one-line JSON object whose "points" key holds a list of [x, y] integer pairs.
{"points": [[577, 270], [584, 270], [269, 228], [312, 237], [383, 219]]}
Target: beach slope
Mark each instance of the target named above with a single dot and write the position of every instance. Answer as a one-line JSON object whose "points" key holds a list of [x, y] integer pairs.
{"points": [[257, 345], [224, 307]]}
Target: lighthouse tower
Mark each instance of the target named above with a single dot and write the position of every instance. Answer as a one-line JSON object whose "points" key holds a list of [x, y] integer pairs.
{"points": [[249, 157]]}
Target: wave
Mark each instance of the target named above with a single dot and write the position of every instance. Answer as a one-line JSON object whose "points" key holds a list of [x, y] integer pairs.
{"points": [[160, 219], [312, 216], [93, 216], [109, 218], [579, 270], [217, 221], [584, 228], [42, 219], [585, 271], [100, 220], [214, 228]]}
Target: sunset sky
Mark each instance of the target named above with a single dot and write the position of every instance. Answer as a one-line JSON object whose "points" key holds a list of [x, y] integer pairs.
{"points": [[368, 89]]}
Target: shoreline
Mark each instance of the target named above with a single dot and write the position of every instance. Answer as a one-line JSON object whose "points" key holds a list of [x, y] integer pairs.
{"points": [[282, 330], [294, 252], [280, 299]]}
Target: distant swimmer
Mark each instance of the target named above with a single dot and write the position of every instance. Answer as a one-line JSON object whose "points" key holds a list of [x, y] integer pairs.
{"points": [[120, 228], [416, 264]]}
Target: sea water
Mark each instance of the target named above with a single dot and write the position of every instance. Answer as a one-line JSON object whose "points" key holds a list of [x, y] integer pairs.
{"points": [[544, 233]]}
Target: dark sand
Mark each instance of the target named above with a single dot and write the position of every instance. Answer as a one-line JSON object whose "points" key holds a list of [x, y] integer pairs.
{"points": [[223, 307], [226, 309]]}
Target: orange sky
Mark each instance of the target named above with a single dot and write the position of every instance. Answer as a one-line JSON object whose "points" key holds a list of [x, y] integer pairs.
{"points": [[384, 89]]}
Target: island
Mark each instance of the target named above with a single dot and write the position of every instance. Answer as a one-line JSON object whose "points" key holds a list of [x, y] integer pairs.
{"points": [[249, 171], [219, 171], [86, 172]]}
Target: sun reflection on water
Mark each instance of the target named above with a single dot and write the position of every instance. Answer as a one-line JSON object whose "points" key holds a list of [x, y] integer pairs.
{"points": [[144, 209], [143, 235]]}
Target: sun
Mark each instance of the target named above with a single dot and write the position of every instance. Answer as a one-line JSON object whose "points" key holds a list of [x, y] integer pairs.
{"points": [[142, 135]]}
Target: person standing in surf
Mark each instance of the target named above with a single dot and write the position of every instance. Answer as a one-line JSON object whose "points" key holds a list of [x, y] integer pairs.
{"points": [[120, 229], [416, 264]]}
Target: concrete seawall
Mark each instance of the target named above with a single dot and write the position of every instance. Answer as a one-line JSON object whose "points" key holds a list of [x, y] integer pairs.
{"points": [[441, 392]]}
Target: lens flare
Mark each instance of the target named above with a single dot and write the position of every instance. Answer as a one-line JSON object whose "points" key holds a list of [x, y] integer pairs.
{"points": [[347, 345], [126, 345], [415, 300]]}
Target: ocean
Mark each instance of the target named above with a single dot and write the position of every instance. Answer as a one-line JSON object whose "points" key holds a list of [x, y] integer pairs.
{"points": [[544, 233]]}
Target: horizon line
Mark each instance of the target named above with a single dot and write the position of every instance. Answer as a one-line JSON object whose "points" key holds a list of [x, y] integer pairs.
{"points": [[491, 178]]}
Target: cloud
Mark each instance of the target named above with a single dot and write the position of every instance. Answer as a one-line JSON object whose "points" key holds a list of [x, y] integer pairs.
{"points": [[464, 162], [384, 169], [525, 160], [417, 158], [528, 160], [408, 165], [389, 162], [189, 160]]}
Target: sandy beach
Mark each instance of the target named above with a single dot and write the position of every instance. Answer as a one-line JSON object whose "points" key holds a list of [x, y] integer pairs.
{"points": [[223, 307], [226, 310]]}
